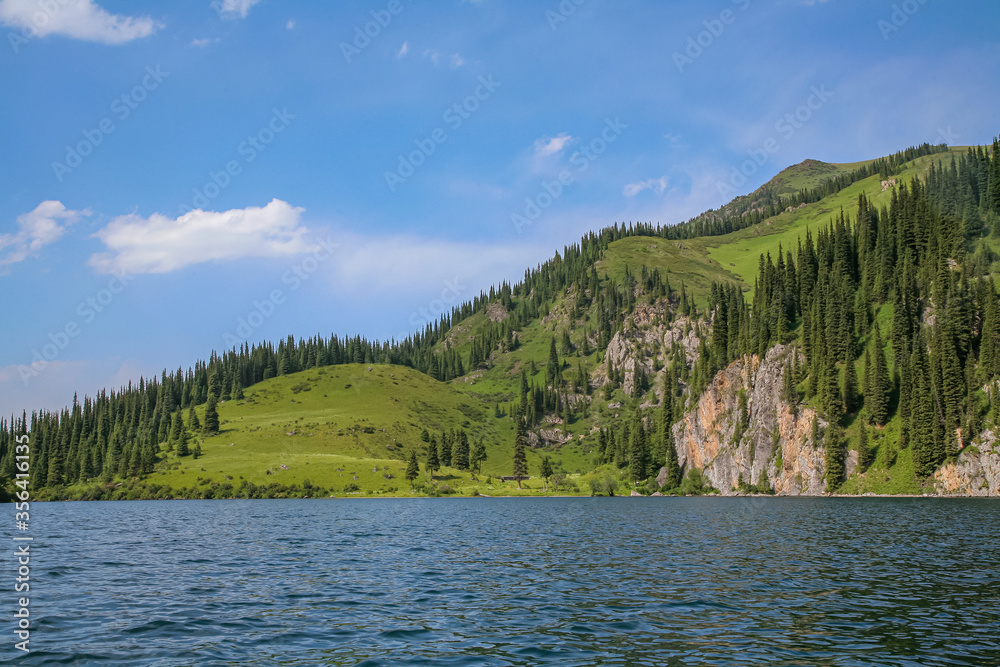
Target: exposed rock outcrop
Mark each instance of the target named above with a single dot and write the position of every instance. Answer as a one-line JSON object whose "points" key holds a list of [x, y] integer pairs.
{"points": [[776, 439], [645, 329], [975, 473]]}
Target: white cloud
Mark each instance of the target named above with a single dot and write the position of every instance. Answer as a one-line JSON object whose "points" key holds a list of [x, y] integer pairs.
{"points": [[42, 226], [78, 19], [453, 60], [551, 145], [403, 50], [290, 25], [657, 185], [159, 244], [229, 9]]}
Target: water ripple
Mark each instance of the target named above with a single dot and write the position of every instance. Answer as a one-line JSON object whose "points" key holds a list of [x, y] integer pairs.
{"points": [[609, 581]]}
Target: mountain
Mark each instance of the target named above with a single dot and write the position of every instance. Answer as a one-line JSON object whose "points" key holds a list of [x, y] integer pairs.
{"points": [[835, 330]]}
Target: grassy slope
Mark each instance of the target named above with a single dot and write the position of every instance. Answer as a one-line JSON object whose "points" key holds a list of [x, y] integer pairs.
{"points": [[739, 252], [398, 402], [679, 261], [315, 423]]}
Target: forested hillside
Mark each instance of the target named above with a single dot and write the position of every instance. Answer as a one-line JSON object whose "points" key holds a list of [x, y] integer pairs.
{"points": [[873, 304]]}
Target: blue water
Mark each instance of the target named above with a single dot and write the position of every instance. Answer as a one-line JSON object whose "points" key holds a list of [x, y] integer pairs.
{"points": [[602, 581]]}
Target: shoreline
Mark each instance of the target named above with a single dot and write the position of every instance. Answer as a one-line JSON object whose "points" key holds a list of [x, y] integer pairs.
{"points": [[529, 497]]}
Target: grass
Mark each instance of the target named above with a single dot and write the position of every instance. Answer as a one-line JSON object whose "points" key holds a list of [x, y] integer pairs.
{"points": [[350, 429], [679, 261], [739, 252], [342, 427]]}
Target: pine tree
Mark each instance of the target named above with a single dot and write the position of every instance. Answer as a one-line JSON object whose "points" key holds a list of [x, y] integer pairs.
{"points": [[433, 462], [546, 471], [477, 456], [445, 453], [211, 416], [553, 374], [193, 422], [850, 392], [520, 458], [672, 465], [638, 452], [865, 452], [878, 390], [196, 452], [412, 468], [181, 439], [834, 458], [460, 451]]}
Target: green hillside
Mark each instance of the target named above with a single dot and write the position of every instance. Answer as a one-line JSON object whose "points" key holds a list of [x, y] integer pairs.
{"points": [[342, 416]]}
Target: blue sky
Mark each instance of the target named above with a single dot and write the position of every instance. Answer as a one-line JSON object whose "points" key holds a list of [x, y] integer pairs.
{"points": [[182, 176]]}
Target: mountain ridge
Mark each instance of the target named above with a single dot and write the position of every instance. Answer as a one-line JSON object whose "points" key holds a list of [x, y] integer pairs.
{"points": [[630, 308]]}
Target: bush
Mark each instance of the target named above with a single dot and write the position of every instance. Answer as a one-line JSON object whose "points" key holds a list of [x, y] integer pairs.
{"points": [[603, 486]]}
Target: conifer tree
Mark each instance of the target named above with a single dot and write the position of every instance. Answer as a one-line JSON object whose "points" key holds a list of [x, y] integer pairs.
{"points": [[850, 393], [638, 452], [552, 367], [433, 462], [520, 464], [878, 390], [445, 453], [546, 470], [412, 468], [460, 451], [477, 456], [181, 437], [193, 422], [865, 452], [211, 416], [672, 465], [834, 458]]}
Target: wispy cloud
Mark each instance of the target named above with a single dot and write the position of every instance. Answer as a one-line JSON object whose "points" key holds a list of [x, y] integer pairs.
{"points": [[230, 9], [452, 60], [552, 145], [403, 50], [202, 43], [290, 25], [657, 185], [36, 229], [159, 244], [77, 19]]}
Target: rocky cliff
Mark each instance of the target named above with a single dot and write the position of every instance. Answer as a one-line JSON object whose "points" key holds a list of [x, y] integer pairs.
{"points": [[975, 473], [769, 439]]}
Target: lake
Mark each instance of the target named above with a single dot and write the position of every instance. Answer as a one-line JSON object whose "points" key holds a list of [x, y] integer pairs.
{"points": [[547, 581]]}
